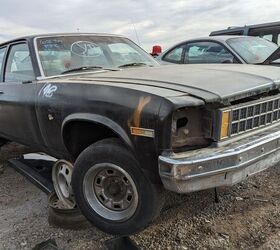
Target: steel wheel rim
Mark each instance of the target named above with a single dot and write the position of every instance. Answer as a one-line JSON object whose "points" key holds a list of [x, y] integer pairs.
{"points": [[61, 176], [110, 191]]}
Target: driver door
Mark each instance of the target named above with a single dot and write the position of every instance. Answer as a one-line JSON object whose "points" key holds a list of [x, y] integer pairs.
{"points": [[18, 120]]}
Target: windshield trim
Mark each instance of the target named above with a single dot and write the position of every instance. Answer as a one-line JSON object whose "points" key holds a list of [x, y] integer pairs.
{"points": [[41, 70], [42, 74], [244, 37]]}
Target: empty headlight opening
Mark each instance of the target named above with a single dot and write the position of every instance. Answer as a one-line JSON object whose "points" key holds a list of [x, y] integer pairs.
{"points": [[188, 128], [181, 122]]}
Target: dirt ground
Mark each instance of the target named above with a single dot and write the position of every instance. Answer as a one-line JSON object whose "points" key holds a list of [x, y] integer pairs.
{"points": [[246, 217]]}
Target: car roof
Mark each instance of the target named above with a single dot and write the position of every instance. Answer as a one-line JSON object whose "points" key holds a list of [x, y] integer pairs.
{"points": [[215, 38], [240, 28], [221, 39], [31, 37]]}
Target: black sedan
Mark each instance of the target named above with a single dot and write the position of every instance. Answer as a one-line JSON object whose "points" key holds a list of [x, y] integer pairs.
{"points": [[222, 49], [124, 128]]}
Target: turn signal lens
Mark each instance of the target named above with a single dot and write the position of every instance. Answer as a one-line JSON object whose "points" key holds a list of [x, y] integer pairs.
{"points": [[225, 124]]}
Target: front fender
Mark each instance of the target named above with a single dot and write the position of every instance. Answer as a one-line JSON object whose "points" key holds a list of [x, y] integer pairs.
{"points": [[99, 119]]}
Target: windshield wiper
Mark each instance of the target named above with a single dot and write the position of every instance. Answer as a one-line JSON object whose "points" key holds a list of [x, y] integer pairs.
{"points": [[82, 68], [133, 64]]}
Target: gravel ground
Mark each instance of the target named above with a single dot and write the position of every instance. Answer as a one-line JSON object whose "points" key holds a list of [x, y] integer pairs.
{"points": [[247, 216]]}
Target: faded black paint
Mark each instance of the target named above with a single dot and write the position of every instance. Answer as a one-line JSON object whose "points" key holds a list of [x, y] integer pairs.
{"points": [[111, 98]]}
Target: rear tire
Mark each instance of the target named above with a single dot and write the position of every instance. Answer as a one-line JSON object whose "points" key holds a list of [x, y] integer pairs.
{"points": [[63, 217], [112, 191]]}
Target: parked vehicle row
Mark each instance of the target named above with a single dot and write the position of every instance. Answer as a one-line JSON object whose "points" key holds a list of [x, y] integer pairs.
{"points": [[227, 46], [125, 128]]}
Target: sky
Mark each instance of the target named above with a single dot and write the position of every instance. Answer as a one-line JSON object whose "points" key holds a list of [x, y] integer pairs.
{"points": [[146, 22]]}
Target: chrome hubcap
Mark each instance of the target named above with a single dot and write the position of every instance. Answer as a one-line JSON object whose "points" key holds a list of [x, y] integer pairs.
{"points": [[61, 175], [110, 191]]}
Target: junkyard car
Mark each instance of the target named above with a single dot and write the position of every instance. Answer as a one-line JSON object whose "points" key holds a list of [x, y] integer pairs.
{"points": [[124, 127], [269, 31], [221, 49]]}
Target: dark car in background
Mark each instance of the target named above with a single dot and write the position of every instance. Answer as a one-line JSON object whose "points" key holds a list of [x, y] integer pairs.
{"points": [[220, 49], [269, 31]]}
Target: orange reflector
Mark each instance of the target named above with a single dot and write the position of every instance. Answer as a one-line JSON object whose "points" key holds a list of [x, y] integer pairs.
{"points": [[142, 132], [225, 124]]}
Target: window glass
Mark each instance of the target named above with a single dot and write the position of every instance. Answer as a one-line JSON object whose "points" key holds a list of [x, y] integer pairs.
{"points": [[123, 53], [61, 54], [207, 52], [19, 66], [278, 40], [267, 37], [2, 52], [174, 55], [252, 49]]}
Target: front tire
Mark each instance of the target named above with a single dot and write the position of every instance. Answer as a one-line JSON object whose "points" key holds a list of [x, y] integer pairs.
{"points": [[112, 191]]}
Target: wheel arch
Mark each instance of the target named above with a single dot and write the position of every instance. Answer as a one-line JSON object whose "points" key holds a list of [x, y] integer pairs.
{"points": [[106, 128]]}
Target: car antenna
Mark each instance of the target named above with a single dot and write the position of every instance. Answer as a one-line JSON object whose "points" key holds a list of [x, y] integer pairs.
{"points": [[135, 31]]}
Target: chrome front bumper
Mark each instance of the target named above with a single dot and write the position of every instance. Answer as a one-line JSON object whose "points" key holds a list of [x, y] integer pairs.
{"points": [[220, 166]]}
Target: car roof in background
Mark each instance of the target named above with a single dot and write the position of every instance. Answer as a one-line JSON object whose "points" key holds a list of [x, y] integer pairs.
{"points": [[240, 28], [221, 39], [217, 38]]}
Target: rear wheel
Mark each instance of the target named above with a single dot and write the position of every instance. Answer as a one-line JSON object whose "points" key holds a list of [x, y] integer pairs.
{"points": [[64, 217], [61, 177], [111, 190]]}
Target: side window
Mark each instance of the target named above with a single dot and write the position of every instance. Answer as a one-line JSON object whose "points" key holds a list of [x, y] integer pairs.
{"points": [[207, 52], [19, 66], [267, 37], [2, 53], [174, 55]]}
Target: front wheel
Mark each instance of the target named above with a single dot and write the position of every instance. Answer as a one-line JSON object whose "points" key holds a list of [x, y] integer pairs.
{"points": [[112, 191]]}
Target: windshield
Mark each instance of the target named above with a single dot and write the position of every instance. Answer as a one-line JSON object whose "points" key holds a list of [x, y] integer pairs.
{"points": [[60, 54], [252, 49]]}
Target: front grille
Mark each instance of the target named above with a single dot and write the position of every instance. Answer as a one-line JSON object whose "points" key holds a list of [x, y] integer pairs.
{"points": [[253, 115]]}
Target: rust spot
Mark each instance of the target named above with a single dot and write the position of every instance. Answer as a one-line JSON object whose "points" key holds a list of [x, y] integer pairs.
{"points": [[135, 119]]}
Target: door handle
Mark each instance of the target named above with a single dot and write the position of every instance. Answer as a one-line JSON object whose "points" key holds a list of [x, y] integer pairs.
{"points": [[1, 92]]}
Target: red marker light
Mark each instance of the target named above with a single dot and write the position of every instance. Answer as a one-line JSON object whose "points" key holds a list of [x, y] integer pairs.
{"points": [[156, 50]]}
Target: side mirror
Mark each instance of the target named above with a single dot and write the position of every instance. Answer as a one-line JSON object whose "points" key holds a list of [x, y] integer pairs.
{"points": [[156, 50]]}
